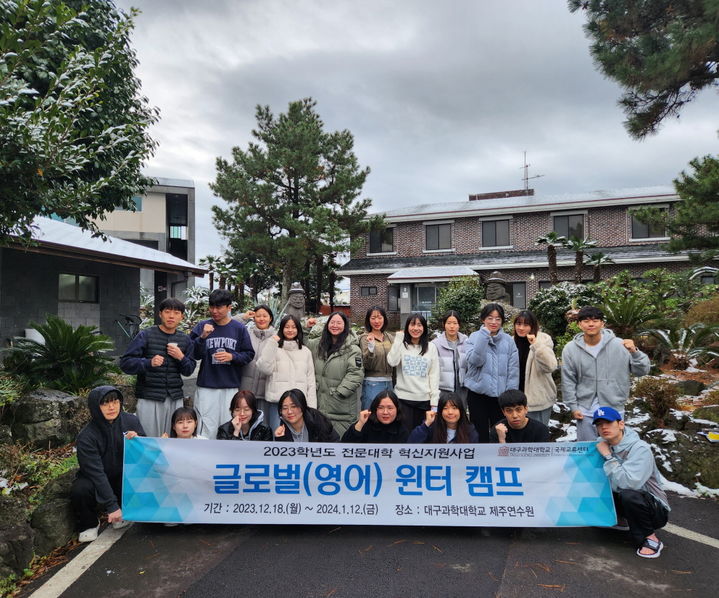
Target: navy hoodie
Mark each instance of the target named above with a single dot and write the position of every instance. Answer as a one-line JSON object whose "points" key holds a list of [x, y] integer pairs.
{"points": [[100, 447]]}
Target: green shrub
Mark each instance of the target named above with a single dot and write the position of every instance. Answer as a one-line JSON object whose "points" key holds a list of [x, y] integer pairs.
{"points": [[705, 312], [660, 396], [71, 359], [550, 305], [463, 295], [11, 389], [681, 345], [627, 315], [560, 342]]}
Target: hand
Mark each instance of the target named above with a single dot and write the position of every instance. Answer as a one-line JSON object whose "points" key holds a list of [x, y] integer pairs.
{"points": [[501, 432], [157, 361], [280, 431], [236, 424], [277, 338], [130, 434], [429, 418], [363, 417], [222, 356], [531, 338], [311, 322], [248, 315], [577, 414], [165, 435], [603, 448], [174, 351], [115, 516], [207, 330], [629, 345]]}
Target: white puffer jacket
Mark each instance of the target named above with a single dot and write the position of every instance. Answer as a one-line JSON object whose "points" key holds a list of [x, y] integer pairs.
{"points": [[287, 367]]}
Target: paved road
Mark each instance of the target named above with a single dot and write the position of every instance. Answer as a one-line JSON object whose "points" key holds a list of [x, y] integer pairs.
{"points": [[326, 561]]}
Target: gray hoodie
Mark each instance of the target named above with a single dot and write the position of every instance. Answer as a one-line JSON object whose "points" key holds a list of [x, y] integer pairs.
{"points": [[634, 468], [605, 376]]}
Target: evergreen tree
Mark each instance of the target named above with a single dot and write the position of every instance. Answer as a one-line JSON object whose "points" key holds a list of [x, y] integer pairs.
{"points": [[661, 51], [552, 240], [297, 187], [73, 125]]}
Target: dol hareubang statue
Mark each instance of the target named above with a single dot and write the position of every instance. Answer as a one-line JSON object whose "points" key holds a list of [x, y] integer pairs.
{"points": [[296, 301]]}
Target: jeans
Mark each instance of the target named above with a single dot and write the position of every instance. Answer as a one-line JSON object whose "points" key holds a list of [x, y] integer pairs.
{"points": [[371, 388]]}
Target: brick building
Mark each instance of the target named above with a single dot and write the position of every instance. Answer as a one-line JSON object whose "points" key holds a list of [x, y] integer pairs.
{"points": [[423, 247]]}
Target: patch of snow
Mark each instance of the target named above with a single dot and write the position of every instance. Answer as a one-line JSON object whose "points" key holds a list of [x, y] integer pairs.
{"points": [[637, 419], [569, 433], [705, 422], [668, 435], [703, 490], [677, 488]]}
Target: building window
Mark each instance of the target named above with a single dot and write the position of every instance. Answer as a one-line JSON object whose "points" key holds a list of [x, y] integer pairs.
{"points": [[77, 288], [495, 233], [640, 230], [519, 294], [707, 279], [392, 298], [382, 240], [438, 237], [544, 284], [570, 225], [178, 232], [368, 291]]}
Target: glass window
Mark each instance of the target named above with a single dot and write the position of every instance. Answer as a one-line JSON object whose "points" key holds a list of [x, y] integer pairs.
{"points": [[77, 288], [367, 291], [519, 294], [66, 287], [569, 226], [381, 241], [392, 298], [640, 230], [425, 298], [495, 233], [439, 236]]}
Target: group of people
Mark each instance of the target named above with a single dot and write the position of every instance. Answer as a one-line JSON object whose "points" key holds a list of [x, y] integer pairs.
{"points": [[384, 387]]}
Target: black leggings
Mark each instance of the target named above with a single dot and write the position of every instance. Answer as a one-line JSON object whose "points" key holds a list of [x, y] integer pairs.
{"points": [[484, 413], [413, 413]]}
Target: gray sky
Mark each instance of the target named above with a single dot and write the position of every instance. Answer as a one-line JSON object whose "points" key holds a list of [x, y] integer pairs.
{"points": [[442, 97]]}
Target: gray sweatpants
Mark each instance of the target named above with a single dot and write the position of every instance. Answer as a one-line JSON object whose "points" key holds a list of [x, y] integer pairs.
{"points": [[155, 416]]}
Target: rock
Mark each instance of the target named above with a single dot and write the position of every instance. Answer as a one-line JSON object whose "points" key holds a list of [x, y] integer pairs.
{"points": [[691, 387], [685, 458], [16, 539], [54, 525], [5, 435], [710, 412], [47, 418]]}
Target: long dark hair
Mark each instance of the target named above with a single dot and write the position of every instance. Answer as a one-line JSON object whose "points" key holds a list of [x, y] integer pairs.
{"points": [[382, 312], [439, 434], [251, 401], [528, 318], [182, 413], [298, 399], [281, 331], [326, 346], [424, 339], [384, 394]]}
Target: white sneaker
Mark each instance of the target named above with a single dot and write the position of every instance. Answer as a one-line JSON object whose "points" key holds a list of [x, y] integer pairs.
{"points": [[88, 535], [121, 524]]}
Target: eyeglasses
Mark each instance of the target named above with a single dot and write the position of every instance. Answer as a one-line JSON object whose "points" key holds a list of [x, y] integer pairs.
{"points": [[242, 410], [492, 319], [286, 408]]}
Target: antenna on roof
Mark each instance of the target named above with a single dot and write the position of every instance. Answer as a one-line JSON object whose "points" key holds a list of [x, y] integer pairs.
{"points": [[526, 178]]}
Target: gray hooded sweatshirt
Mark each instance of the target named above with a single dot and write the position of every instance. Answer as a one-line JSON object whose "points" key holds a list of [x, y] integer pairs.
{"points": [[634, 468], [605, 376]]}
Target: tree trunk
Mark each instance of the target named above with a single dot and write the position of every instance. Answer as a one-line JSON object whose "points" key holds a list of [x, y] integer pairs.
{"points": [[597, 277], [212, 281], [286, 284], [552, 262], [578, 267], [333, 276], [318, 282]]}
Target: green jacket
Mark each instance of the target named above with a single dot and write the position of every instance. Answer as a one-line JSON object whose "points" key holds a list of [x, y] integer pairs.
{"points": [[339, 381]]}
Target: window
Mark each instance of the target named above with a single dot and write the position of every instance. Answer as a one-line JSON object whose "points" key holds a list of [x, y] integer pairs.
{"points": [[519, 294], [392, 298], [707, 279], [368, 291], [425, 298], [438, 236], [77, 288], [640, 230], [495, 233], [544, 284], [570, 225], [382, 240]]}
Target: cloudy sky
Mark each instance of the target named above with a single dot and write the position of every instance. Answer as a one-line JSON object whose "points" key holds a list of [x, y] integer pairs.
{"points": [[443, 98]]}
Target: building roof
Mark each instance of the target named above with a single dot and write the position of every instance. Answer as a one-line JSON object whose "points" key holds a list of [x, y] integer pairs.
{"points": [[504, 260], [531, 203], [430, 273], [58, 238]]}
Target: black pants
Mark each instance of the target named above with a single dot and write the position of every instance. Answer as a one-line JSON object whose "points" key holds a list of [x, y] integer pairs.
{"points": [[84, 501], [644, 513], [413, 413], [484, 413]]}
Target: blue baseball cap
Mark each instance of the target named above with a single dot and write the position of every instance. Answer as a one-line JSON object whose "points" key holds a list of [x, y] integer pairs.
{"points": [[607, 414]]}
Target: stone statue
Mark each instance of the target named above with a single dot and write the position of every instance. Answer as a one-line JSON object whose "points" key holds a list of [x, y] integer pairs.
{"points": [[496, 289], [296, 301]]}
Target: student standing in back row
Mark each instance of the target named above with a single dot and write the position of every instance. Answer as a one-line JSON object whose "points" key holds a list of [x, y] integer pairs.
{"points": [[224, 347]]}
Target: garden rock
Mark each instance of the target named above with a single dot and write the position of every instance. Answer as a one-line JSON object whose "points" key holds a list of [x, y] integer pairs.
{"points": [[691, 387], [46, 418], [53, 521], [685, 458], [16, 539], [710, 412], [5, 435]]}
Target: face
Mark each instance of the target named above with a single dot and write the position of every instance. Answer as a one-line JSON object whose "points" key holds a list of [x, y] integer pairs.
{"points": [[450, 415], [516, 415], [612, 432], [219, 313], [522, 329], [171, 318], [110, 409], [290, 412], [376, 321], [335, 325], [297, 300], [290, 330], [262, 319], [493, 322], [185, 427], [415, 330], [591, 327], [386, 411], [451, 326], [243, 411]]}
